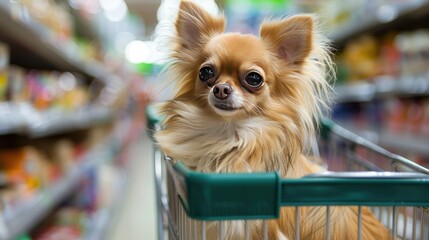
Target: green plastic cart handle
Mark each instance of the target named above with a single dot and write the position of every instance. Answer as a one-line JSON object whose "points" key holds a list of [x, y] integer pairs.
{"points": [[228, 196]]}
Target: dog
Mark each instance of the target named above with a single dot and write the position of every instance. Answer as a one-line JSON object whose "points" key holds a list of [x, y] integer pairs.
{"points": [[246, 103]]}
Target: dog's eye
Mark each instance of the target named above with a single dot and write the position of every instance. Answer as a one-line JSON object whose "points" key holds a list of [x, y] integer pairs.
{"points": [[206, 73], [254, 79]]}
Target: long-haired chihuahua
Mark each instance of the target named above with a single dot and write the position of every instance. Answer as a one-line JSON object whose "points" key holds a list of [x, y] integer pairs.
{"points": [[246, 103]]}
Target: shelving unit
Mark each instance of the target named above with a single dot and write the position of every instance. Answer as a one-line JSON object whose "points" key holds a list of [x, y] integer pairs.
{"points": [[381, 87], [417, 86], [25, 120], [402, 17], [28, 40], [21, 217], [380, 19], [104, 216], [373, 22], [30, 47], [54, 123], [33, 46], [405, 142]]}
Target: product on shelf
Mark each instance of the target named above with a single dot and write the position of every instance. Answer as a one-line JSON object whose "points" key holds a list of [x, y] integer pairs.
{"points": [[394, 54], [63, 152], [390, 56], [51, 16], [406, 116], [4, 63], [415, 114], [425, 121], [68, 223], [31, 169], [18, 91], [360, 56], [54, 22], [79, 215], [346, 16], [396, 114], [414, 49], [26, 169], [44, 90], [50, 89]]}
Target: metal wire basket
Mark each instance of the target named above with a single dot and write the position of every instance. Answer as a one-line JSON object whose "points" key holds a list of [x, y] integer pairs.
{"points": [[393, 187]]}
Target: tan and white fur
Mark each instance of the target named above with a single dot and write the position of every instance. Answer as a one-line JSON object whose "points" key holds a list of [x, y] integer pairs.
{"points": [[253, 127]]}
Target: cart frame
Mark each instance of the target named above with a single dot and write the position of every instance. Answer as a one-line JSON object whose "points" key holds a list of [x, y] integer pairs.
{"points": [[187, 199]]}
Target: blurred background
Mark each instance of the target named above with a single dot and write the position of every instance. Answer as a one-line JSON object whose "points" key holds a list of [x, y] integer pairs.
{"points": [[76, 76]]}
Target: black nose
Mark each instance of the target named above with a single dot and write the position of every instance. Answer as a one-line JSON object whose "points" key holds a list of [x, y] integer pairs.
{"points": [[222, 91]]}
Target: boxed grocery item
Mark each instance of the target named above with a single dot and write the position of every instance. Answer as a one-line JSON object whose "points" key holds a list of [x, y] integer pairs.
{"points": [[62, 154], [425, 121], [415, 117], [361, 58], [17, 89], [26, 168], [68, 222], [396, 114], [12, 167]]}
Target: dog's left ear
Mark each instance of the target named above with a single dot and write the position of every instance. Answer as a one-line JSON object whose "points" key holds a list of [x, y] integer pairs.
{"points": [[290, 39]]}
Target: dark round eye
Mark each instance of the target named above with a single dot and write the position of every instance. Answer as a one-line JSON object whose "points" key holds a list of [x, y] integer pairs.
{"points": [[206, 73], [254, 79]]}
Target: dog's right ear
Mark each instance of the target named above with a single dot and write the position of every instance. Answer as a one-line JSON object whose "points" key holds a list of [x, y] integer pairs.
{"points": [[194, 25]]}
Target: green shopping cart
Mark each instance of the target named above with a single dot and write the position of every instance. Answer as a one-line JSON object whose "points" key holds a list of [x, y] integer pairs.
{"points": [[393, 187]]}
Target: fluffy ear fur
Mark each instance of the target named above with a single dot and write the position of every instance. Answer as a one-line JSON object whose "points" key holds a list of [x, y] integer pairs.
{"points": [[304, 70], [290, 39], [194, 25]]}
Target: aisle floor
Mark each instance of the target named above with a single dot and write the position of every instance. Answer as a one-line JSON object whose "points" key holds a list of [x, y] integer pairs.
{"points": [[136, 218]]}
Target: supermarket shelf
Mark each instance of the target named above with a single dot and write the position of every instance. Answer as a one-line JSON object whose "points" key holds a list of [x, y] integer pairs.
{"points": [[30, 39], [54, 123], [407, 86], [26, 214], [405, 142], [382, 18], [362, 92], [23, 119], [104, 217], [14, 122]]}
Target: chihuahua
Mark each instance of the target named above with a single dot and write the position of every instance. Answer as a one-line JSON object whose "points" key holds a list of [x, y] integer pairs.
{"points": [[246, 103]]}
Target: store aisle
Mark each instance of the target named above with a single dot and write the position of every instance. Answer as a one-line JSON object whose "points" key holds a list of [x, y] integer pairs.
{"points": [[137, 217]]}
